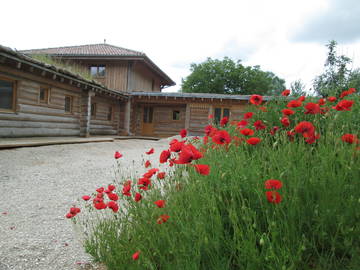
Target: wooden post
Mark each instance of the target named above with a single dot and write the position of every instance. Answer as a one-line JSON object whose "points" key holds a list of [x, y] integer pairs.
{"points": [[127, 117], [85, 114], [187, 117], [129, 82]]}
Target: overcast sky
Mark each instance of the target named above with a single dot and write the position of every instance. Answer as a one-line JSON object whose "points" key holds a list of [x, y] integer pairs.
{"points": [[286, 37]]}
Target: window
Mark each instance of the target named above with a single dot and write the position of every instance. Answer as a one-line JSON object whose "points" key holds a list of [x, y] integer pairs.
{"points": [[148, 115], [176, 115], [93, 110], [221, 113], [97, 70], [7, 95], [110, 113], [68, 104], [44, 95]]}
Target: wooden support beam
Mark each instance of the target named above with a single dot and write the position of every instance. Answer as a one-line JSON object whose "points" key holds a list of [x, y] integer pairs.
{"points": [[78, 85], [62, 79], [54, 77], [70, 82], [18, 65], [43, 73]]}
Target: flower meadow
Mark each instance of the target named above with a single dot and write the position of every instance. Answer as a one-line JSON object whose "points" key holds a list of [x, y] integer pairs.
{"points": [[277, 189]]}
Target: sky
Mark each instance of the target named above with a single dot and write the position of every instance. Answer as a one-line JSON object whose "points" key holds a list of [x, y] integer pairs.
{"points": [[287, 37]]}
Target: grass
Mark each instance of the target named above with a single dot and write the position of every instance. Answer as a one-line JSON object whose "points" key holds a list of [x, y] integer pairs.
{"points": [[67, 65], [224, 221]]}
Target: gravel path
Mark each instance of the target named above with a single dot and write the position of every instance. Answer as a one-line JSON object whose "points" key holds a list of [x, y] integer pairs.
{"points": [[39, 184]]}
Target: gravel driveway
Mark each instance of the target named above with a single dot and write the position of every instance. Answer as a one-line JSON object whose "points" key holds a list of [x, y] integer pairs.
{"points": [[39, 184]]}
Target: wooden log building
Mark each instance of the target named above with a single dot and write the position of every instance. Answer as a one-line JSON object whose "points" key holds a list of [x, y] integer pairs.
{"points": [[125, 97]]}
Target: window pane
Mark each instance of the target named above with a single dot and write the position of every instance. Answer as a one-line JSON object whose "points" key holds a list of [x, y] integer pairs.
{"points": [[226, 112], [150, 114], [109, 117], [93, 70], [217, 115], [146, 113], [176, 115], [101, 71], [93, 109], [6, 95], [42, 94], [67, 104]]}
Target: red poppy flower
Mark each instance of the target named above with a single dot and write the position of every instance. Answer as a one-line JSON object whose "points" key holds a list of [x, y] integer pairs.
{"points": [[210, 130], [294, 103], [113, 196], [224, 121], [285, 121], [164, 156], [312, 108], [113, 206], [290, 135], [69, 215], [97, 200], [211, 116], [202, 169], [100, 190], [74, 210], [259, 125], [151, 151], [127, 188], [205, 139], [117, 155], [285, 93], [344, 105], [312, 138], [86, 197], [321, 101], [253, 141], [144, 183], [347, 92], [162, 219], [160, 203], [135, 256], [161, 175], [147, 164], [221, 137], [287, 112], [242, 124], [331, 99], [256, 99], [301, 99], [307, 129], [350, 138], [247, 132], [262, 108], [138, 197], [273, 197], [175, 145], [248, 115], [273, 184], [188, 153], [237, 141], [183, 133], [150, 172], [273, 130], [100, 205], [111, 187]]}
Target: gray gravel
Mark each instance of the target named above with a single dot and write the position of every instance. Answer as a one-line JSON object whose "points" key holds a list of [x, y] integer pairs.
{"points": [[39, 185]]}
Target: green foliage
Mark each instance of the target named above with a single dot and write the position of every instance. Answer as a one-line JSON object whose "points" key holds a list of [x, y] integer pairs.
{"points": [[229, 77], [224, 221], [297, 88], [66, 65], [337, 76]]}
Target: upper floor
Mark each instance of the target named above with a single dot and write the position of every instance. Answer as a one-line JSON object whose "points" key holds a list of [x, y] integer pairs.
{"points": [[116, 68]]}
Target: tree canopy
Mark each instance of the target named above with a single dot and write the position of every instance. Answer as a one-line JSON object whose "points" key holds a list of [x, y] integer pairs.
{"points": [[229, 77], [337, 75]]}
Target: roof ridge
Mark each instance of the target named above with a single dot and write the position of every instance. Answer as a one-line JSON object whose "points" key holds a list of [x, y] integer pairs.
{"points": [[77, 46]]}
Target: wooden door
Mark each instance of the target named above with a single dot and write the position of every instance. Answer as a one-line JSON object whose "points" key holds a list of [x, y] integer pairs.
{"points": [[147, 122]]}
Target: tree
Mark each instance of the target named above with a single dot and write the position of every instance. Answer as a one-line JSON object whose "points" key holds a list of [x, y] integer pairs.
{"points": [[229, 77], [297, 88], [336, 76]]}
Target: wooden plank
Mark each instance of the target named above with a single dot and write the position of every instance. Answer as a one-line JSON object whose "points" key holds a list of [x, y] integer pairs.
{"points": [[37, 118], [31, 124], [33, 132]]}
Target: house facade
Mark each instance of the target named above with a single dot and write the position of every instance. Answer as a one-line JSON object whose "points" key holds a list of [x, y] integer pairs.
{"points": [[124, 97]]}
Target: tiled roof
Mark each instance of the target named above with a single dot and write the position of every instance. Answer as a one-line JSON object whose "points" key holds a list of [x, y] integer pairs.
{"points": [[86, 50], [196, 95]]}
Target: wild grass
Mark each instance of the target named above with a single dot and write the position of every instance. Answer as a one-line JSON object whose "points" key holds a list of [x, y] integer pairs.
{"points": [[64, 64], [224, 221]]}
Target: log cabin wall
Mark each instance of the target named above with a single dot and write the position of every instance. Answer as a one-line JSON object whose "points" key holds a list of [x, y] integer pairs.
{"points": [[105, 118], [144, 80], [33, 117]]}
